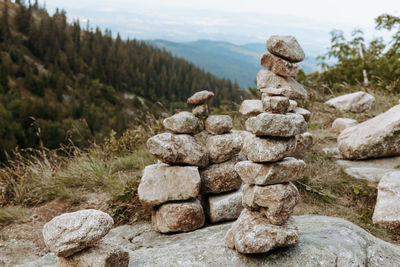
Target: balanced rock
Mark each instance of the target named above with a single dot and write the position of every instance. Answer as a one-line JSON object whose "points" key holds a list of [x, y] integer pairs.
{"points": [[377, 137], [285, 46], [200, 97], [272, 84], [178, 149], [355, 102], [251, 233], [251, 107], [220, 177], [287, 170], [225, 207], [183, 123], [275, 104], [340, 124], [279, 125], [218, 124], [103, 254], [292, 105], [276, 201], [178, 217], [304, 142], [71, 232], [269, 149], [161, 183], [224, 147], [200, 111], [303, 112], [280, 66], [387, 209]]}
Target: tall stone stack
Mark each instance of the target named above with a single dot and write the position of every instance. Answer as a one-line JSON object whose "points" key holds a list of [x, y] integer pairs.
{"points": [[269, 196], [172, 187], [221, 185]]}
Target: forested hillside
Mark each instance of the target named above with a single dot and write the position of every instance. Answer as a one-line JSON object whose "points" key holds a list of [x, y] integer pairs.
{"points": [[62, 82]]}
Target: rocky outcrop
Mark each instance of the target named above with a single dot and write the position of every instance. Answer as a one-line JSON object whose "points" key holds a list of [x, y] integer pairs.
{"points": [[71, 232], [387, 209], [377, 137], [355, 102], [323, 241]]}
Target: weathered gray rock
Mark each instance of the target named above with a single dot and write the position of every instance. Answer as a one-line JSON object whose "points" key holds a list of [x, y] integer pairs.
{"points": [[285, 46], [200, 97], [251, 233], [161, 183], [279, 66], [292, 105], [183, 123], [371, 170], [220, 177], [323, 241], [102, 254], [178, 149], [387, 208], [287, 170], [200, 111], [272, 84], [377, 137], [275, 104], [332, 151], [268, 149], [218, 124], [304, 143], [251, 107], [71, 232], [276, 201], [225, 207], [303, 112], [178, 217], [355, 102], [340, 124], [224, 147], [279, 125]]}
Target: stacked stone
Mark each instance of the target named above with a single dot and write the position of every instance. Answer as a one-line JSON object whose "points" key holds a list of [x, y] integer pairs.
{"points": [[269, 196], [172, 186], [220, 183], [77, 239]]}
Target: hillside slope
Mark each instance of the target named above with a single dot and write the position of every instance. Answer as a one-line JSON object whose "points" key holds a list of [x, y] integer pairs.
{"points": [[61, 83]]}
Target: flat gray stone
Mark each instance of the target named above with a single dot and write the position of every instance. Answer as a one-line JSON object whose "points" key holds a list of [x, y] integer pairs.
{"points": [[225, 207], [323, 241], [183, 123], [279, 66], [285, 46], [278, 125], [218, 124], [356, 102], [251, 107], [224, 147]]}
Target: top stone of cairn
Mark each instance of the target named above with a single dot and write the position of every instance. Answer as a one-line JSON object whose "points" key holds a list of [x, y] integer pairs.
{"points": [[200, 97], [285, 46]]}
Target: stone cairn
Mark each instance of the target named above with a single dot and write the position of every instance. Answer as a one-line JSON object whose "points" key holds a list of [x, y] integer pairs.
{"points": [[192, 179], [77, 239], [278, 127]]}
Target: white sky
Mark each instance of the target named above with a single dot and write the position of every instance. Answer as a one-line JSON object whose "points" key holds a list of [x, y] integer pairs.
{"points": [[231, 20]]}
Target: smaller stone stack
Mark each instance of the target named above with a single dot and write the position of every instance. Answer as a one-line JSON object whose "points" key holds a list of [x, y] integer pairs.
{"points": [[77, 239], [172, 187], [220, 183], [269, 196]]}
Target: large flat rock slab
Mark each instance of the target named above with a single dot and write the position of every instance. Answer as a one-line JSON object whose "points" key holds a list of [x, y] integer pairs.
{"points": [[323, 241], [371, 170]]}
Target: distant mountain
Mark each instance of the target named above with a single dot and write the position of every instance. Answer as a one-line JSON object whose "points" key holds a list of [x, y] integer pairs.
{"points": [[226, 60]]}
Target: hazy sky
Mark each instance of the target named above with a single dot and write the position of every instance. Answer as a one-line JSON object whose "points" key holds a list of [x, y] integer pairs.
{"points": [[229, 20]]}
